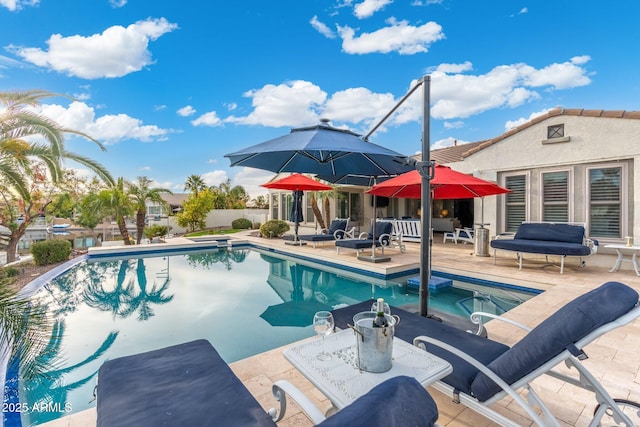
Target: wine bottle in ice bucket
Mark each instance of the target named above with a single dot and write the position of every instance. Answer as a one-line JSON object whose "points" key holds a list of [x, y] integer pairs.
{"points": [[380, 321]]}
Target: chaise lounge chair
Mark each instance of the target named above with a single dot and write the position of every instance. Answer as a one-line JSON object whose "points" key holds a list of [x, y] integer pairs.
{"points": [[383, 230], [338, 229], [190, 385], [485, 371]]}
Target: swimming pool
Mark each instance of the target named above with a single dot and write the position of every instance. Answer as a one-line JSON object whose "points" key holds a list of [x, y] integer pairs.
{"points": [[244, 301]]}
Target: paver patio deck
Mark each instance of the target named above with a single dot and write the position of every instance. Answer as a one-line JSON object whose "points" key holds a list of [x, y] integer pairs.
{"points": [[613, 358]]}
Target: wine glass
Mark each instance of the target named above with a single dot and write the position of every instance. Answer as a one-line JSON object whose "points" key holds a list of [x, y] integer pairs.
{"points": [[323, 324]]}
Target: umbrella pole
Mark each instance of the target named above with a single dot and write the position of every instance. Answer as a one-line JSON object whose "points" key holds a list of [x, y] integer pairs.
{"points": [[296, 241], [426, 171]]}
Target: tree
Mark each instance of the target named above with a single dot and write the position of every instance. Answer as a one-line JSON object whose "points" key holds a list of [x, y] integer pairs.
{"points": [[228, 197], [260, 202], [194, 184], [115, 201], [316, 210], [195, 210], [141, 193], [32, 149]]}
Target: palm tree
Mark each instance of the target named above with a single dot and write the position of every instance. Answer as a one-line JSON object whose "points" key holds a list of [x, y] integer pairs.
{"points": [[194, 184], [117, 203], [140, 193], [26, 135]]}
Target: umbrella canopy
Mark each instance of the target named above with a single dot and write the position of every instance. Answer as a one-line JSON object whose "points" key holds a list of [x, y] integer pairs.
{"points": [[446, 184], [297, 182], [328, 152]]}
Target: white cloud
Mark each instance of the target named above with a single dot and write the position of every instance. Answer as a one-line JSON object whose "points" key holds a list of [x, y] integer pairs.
{"points": [[116, 52], [447, 142], [368, 7], [455, 94], [208, 119], [322, 28], [454, 125], [145, 168], [117, 3], [398, 37], [108, 128], [250, 179], [454, 68], [461, 95], [215, 177], [522, 120], [159, 107], [288, 104], [358, 105], [186, 111], [14, 5]]}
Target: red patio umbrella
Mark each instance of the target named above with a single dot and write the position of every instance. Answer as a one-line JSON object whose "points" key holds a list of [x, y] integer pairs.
{"points": [[297, 183], [446, 184]]}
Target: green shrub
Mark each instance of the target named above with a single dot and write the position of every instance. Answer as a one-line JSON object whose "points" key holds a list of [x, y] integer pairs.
{"points": [[241, 224], [11, 271], [274, 228], [155, 231], [6, 272], [50, 251]]}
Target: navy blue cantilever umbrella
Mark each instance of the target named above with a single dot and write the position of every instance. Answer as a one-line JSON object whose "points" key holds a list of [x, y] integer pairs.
{"points": [[328, 152], [335, 155]]}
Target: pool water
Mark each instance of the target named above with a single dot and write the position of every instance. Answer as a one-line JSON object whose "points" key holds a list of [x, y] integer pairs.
{"points": [[244, 301]]}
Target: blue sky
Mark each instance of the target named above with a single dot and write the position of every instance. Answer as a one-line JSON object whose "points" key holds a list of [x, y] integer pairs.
{"points": [[170, 87]]}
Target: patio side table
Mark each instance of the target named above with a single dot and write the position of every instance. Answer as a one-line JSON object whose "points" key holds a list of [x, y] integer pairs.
{"points": [[620, 251], [339, 377]]}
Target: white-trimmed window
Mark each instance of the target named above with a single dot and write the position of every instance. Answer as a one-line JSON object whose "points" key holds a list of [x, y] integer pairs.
{"points": [[515, 211], [555, 196], [605, 201]]}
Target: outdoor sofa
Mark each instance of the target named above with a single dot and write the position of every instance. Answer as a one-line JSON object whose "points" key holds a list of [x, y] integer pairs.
{"points": [[548, 238], [189, 384], [485, 371]]}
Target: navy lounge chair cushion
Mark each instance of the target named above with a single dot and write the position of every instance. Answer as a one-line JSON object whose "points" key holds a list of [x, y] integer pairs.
{"points": [[566, 326], [382, 227], [184, 385], [397, 402], [412, 325], [336, 224]]}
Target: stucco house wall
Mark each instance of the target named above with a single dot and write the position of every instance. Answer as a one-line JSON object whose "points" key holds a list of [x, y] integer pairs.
{"points": [[591, 138]]}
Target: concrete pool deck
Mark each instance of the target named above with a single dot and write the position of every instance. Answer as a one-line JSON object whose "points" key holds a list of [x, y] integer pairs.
{"points": [[613, 358]]}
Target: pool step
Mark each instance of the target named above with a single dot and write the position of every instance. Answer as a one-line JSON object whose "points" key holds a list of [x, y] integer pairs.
{"points": [[435, 282]]}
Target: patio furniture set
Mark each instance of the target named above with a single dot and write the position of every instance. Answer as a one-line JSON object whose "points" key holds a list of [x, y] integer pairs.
{"points": [[189, 384]]}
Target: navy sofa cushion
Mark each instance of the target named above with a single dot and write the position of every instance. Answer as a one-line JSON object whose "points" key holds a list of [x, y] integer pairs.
{"points": [[547, 247], [412, 325], [551, 232], [566, 326], [398, 402], [183, 385]]}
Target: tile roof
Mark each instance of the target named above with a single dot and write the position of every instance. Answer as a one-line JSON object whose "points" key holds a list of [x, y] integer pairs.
{"points": [[457, 153]]}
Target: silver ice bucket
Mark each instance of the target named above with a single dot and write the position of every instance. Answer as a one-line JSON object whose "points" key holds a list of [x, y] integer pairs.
{"points": [[374, 345]]}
